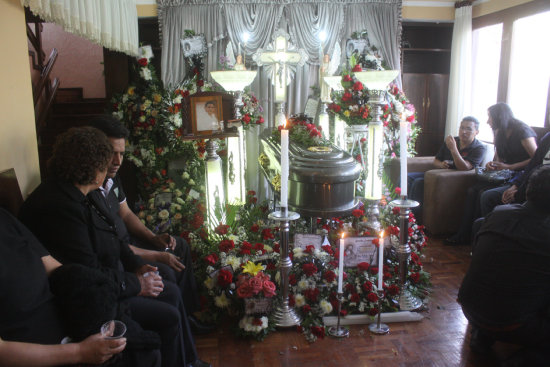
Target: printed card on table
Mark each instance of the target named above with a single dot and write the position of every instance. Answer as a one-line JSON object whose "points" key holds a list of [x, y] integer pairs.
{"points": [[253, 306], [303, 240], [360, 249]]}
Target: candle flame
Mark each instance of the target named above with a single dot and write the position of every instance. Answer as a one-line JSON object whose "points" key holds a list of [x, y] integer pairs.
{"points": [[285, 125], [343, 235], [382, 234]]}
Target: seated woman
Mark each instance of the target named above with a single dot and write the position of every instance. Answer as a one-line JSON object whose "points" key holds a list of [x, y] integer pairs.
{"points": [[30, 327], [515, 145], [59, 213]]}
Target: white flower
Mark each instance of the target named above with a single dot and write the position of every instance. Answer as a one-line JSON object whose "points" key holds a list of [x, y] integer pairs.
{"points": [[178, 99], [185, 175], [302, 284], [145, 52], [298, 252], [299, 300], [222, 301], [232, 260], [118, 115], [233, 238], [210, 269], [326, 307], [164, 214], [145, 73], [191, 182], [246, 324]]}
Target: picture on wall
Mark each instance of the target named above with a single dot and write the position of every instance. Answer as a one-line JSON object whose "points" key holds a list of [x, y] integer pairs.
{"points": [[206, 114]]}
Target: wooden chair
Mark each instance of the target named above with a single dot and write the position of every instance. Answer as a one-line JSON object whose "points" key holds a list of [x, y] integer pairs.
{"points": [[10, 193]]}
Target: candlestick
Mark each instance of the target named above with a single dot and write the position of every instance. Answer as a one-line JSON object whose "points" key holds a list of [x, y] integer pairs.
{"points": [[338, 331], [381, 260], [341, 264], [403, 126], [284, 168]]}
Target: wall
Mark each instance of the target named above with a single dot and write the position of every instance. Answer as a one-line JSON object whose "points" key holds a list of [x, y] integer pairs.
{"points": [[75, 55], [18, 148]]}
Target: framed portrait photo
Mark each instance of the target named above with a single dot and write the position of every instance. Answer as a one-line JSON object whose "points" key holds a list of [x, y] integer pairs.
{"points": [[206, 114], [360, 249]]}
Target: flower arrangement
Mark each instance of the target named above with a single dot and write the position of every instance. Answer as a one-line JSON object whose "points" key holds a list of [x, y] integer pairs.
{"points": [[303, 132], [251, 110]]}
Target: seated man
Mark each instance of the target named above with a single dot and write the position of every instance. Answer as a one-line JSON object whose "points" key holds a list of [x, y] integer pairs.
{"points": [[463, 153], [506, 305], [514, 191], [30, 327], [133, 232]]}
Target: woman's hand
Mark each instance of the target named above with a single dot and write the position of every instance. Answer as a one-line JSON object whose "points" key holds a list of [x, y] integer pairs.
{"points": [[509, 195], [150, 281], [497, 166], [171, 260], [96, 349]]}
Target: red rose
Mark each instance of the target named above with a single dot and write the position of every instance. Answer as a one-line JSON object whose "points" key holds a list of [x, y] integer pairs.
{"points": [[306, 308], [346, 97], [367, 286], [226, 245], [346, 78], [398, 190], [343, 312], [244, 291], [415, 277], [221, 229], [358, 86], [260, 120], [292, 279], [355, 297], [185, 94], [254, 228], [163, 172], [200, 83], [329, 276], [246, 119], [309, 249], [393, 289], [268, 288], [256, 284], [211, 259], [336, 108], [373, 311], [309, 269], [142, 61], [372, 297], [328, 249], [277, 248], [357, 213], [257, 321], [267, 235], [363, 266], [374, 270], [245, 248], [225, 277], [357, 68]]}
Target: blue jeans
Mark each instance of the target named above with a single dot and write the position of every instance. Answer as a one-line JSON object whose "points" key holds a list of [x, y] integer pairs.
{"points": [[491, 198], [415, 185]]}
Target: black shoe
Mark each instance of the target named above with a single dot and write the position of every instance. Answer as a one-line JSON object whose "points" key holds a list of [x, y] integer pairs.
{"points": [[199, 363], [198, 327], [480, 342]]}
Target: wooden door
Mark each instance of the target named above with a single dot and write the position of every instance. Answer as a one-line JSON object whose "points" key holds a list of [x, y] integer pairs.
{"points": [[436, 113], [415, 88]]}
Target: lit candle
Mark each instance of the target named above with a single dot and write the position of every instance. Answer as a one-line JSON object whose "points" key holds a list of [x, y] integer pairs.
{"points": [[403, 126], [380, 260], [284, 167], [341, 265]]}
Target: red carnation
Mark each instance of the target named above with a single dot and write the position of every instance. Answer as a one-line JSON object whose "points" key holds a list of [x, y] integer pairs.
{"points": [[309, 269], [346, 78], [222, 229], [211, 259], [329, 276], [246, 119], [367, 286], [143, 61], [357, 213], [372, 297], [357, 68], [358, 86], [363, 266], [254, 228], [355, 297], [306, 308], [200, 83], [225, 277], [226, 245], [312, 294], [318, 331], [328, 249]]}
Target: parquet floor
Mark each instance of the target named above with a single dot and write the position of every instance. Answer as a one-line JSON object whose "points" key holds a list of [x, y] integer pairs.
{"points": [[440, 339]]}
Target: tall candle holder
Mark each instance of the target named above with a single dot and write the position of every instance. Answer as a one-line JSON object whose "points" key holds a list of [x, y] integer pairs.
{"points": [[284, 315], [407, 302], [377, 327], [338, 331]]}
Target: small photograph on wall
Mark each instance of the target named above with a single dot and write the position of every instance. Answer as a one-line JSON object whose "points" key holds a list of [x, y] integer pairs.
{"points": [[206, 114]]}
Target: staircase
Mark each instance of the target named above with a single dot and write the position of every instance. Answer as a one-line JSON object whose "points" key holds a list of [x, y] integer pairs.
{"points": [[70, 109]]}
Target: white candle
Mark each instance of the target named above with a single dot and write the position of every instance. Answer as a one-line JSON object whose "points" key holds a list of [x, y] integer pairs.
{"points": [[403, 126], [239, 49], [341, 265], [284, 168], [381, 260]]}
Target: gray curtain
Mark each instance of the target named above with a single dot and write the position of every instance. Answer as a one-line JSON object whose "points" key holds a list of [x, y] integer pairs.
{"points": [[301, 19]]}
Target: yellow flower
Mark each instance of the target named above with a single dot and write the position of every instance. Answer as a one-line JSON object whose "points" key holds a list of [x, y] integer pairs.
{"points": [[222, 301], [209, 283], [252, 268], [346, 113], [131, 90], [157, 98]]}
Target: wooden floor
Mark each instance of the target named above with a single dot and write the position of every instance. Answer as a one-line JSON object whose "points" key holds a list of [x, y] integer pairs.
{"points": [[440, 339]]}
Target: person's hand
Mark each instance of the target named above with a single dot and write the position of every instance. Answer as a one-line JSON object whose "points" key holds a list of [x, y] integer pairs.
{"points": [[171, 260], [509, 195], [164, 241], [450, 142], [442, 164], [96, 349], [496, 166], [150, 281]]}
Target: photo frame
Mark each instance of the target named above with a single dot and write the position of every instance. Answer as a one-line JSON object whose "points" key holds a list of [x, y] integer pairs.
{"points": [[255, 306], [206, 114], [360, 249]]}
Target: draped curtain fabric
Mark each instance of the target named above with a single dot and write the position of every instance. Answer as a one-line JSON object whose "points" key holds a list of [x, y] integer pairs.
{"points": [[301, 19], [461, 65], [110, 23]]}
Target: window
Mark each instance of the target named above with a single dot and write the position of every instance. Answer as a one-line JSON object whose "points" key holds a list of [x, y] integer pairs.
{"points": [[530, 69], [486, 43]]}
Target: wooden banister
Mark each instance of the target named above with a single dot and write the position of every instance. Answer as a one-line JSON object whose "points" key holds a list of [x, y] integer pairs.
{"points": [[45, 75]]}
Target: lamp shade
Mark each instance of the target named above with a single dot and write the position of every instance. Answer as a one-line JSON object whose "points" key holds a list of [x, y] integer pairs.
{"points": [[234, 80], [376, 79]]}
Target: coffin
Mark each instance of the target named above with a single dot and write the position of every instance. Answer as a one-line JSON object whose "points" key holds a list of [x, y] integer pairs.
{"points": [[320, 183]]}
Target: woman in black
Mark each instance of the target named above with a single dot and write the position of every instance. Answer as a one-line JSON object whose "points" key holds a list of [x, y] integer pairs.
{"points": [[75, 231], [515, 144]]}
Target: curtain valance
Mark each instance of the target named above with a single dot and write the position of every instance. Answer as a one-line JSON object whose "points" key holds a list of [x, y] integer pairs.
{"points": [[110, 23]]}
